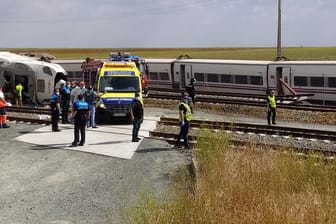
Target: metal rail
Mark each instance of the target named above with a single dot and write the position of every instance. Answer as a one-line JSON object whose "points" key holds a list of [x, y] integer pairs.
{"points": [[258, 102], [320, 134], [257, 128], [28, 114], [171, 139]]}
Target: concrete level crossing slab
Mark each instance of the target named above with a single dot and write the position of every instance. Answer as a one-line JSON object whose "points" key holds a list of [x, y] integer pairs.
{"points": [[108, 140]]}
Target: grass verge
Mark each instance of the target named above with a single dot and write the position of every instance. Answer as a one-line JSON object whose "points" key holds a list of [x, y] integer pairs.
{"points": [[247, 186]]}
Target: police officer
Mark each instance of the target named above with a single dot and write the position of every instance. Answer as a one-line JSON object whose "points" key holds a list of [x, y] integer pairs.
{"points": [[55, 109], [65, 101], [90, 97], [271, 103], [80, 114], [137, 114], [185, 117]]}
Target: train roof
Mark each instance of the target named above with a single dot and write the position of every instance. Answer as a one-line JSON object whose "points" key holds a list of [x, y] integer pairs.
{"points": [[223, 61], [159, 60], [304, 62], [12, 57], [7, 58]]}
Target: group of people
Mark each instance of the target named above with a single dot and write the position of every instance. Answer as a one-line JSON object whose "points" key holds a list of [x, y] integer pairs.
{"points": [[83, 102]]}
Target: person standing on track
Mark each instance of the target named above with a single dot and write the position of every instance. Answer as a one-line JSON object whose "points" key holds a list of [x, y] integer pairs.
{"points": [[80, 114], [137, 115], [191, 89], [18, 97], [55, 109], [271, 104], [185, 117]]}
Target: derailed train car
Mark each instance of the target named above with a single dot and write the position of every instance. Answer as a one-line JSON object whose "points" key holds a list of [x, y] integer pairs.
{"points": [[38, 78]]}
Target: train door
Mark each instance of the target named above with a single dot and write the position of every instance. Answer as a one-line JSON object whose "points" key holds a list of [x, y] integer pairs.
{"points": [[278, 77], [286, 72], [185, 71], [188, 74], [182, 76], [283, 81]]}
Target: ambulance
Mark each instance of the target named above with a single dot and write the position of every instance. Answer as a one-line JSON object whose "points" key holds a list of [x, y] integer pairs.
{"points": [[117, 83]]}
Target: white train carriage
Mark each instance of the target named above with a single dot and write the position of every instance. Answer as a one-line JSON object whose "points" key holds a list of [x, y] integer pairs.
{"points": [[307, 77], [222, 76], [161, 74], [37, 77], [72, 66]]}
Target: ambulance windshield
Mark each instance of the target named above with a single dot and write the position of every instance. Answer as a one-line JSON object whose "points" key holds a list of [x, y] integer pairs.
{"points": [[110, 84]]}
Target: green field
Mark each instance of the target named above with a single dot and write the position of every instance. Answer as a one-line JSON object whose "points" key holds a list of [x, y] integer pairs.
{"points": [[297, 53]]}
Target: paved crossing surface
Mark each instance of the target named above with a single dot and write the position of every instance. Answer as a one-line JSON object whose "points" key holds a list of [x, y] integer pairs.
{"points": [[107, 140]]}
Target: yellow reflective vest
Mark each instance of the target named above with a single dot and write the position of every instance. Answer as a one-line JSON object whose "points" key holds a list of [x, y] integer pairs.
{"points": [[272, 102], [188, 115], [19, 89]]}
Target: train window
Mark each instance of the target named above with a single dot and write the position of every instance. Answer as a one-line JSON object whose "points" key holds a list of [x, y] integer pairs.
{"points": [[199, 77], [164, 76], [241, 79], [47, 70], [300, 81], [153, 76], [256, 80], [212, 77], [332, 82], [226, 78], [317, 81], [21, 66], [40, 86]]}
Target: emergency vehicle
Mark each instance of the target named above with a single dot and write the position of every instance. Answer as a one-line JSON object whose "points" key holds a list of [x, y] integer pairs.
{"points": [[90, 68], [116, 82]]}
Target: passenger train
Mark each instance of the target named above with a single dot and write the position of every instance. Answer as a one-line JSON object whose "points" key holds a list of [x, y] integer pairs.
{"points": [[39, 78], [315, 79]]}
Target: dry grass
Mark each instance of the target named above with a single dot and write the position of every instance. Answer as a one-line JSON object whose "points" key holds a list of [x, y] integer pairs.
{"points": [[248, 186]]}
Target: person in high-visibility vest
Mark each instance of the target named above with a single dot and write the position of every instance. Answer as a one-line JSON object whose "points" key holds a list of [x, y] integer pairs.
{"points": [[3, 117], [271, 104], [185, 117], [19, 89]]}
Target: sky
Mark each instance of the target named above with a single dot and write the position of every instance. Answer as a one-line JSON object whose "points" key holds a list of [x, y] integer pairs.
{"points": [[165, 23]]}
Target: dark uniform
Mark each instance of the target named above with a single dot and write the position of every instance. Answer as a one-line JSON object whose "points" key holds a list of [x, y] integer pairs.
{"points": [[137, 114], [55, 110], [90, 97], [80, 114], [191, 89], [65, 103]]}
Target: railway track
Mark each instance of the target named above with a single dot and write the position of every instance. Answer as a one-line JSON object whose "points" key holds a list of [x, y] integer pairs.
{"points": [[250, 101], [29, 115], [288, 132]]}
